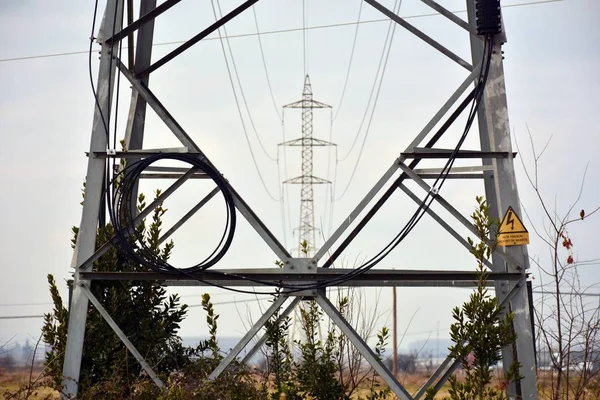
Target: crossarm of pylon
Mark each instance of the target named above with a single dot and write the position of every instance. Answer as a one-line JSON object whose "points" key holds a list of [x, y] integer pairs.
{"points": [[312, 180], [307, 104], [301, 142]]}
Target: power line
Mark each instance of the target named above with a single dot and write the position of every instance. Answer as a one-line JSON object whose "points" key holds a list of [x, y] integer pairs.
{"points": [[385, 54], [240, 109], [239, 81], [285, 189], [350, 62], [24, 304], [278, 31], [264, 62], [304, 47], [568, 293]]}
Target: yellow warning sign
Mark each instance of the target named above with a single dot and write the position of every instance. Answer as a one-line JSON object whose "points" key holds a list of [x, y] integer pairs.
{"points": [[512, 231]]}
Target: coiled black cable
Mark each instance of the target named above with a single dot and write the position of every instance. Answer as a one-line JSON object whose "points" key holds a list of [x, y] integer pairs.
{"points": [[130, 241]]}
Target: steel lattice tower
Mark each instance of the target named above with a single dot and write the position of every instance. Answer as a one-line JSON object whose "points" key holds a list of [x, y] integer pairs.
{"points": [[494, 167], [307, 227]]}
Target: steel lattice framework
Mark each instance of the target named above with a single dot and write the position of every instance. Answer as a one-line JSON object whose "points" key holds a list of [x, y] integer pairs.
{"points": [[508, 266], [307, 229]]}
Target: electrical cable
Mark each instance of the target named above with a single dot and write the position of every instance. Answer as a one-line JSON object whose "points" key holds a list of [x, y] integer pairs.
{"points": [[387, 45], [240, 111], [329, 190], [121, 214], [275, 32], [264, 62], [351, 59], [286, 191], [381, 67], [281, 202], [97, 101], [242, 93], [304, 18]]}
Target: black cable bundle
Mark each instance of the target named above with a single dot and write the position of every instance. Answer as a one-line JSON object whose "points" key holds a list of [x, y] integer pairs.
{"points": [[130, 242]]}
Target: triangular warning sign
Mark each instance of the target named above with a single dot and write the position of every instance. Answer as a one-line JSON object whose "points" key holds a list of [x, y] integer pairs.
{"points": [[512, 231]]}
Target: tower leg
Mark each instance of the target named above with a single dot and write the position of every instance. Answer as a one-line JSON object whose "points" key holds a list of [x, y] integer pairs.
{"points": [[86, 240], [501, 192]]}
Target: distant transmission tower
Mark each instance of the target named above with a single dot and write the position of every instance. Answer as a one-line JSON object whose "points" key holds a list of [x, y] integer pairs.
{"points": [[307, 228]]}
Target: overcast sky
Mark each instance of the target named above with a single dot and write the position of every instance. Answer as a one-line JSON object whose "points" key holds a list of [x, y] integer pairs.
{"points": [[552, 60]]}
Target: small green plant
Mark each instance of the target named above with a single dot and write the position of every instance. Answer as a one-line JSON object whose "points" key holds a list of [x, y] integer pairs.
{"points": [[144, 311], [316, 368], [379, 391], [317, 372], [482, 328], [280, 360]]}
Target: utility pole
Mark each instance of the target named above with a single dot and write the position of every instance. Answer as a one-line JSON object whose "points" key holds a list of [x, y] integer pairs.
{"points": [[307, 228], [394, 334]]}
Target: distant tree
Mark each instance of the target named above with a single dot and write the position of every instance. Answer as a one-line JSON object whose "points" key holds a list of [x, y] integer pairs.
{"points": [[567, 319], [27, 352], [143, 311], [7, 361]]}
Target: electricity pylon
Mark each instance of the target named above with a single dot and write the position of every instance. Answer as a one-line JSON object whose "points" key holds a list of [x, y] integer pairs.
{"points": [[307, 229]]}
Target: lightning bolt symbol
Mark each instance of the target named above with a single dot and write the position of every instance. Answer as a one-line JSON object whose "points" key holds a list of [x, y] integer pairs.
{"points": [[511, 221]]}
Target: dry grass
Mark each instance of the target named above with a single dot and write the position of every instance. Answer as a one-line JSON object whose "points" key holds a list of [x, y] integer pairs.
{"points": [[11, 382]]}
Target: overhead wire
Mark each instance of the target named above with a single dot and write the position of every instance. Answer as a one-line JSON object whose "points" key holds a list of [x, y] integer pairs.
{"points": [[329, 190], [285, 188], [279, 31], [90, 73], [242, 93], [264, 63], [239, 109], [304, 45], [281, 201], [339, 107], [381, 67]]}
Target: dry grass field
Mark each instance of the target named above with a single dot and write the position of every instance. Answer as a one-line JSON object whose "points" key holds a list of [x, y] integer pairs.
{"points": [[12, 382]]}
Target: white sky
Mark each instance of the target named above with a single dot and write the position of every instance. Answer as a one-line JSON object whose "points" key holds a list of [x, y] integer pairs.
{"points": [[552, 64]]}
